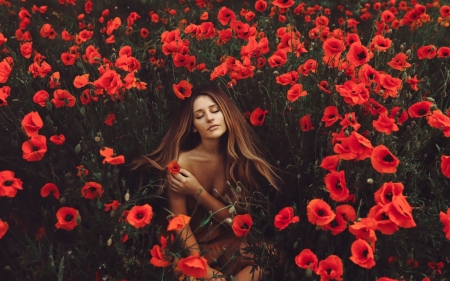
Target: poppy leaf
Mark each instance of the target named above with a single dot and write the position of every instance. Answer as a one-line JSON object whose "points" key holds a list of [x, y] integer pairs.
{"points": [[61, 270], [48, 105], [99, 204], [82, 111], [438, 148]]}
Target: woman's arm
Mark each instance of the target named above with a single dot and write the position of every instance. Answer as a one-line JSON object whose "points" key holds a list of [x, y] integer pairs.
{"points": [[184, 183]]}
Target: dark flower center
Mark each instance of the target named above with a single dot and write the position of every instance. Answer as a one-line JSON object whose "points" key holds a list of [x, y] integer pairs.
{"points": [[362, 55], [365, 253], [388, 196], [320, 212], [388, 158], [334, 223], [34, 148], [338, 186], [244, 226], [422, 111], [384, 216], [7, 183], [139, 215], [68, 218], [332, 116]]}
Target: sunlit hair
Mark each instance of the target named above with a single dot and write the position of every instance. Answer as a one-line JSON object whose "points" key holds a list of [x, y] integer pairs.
{"points": [[239, 144]]}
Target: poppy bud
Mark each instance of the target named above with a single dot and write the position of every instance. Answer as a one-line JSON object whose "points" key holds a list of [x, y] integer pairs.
{"points": [[112, 213], [404, 76], [276, 73], [381, 92], [127, 195], [402, 47], [232, 210], [433, 107], [62, 200], [238, 189], [309, 272], [109, 242], [77, 148], [228, 221], [429, 99], [370, 181], [346, 133], [48, 105], [408, 52], [391, 51], [295, 246], [78, 219]]}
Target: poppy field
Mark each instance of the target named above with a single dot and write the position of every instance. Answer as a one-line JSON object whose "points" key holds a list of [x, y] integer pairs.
{"points": [[350, 100]]}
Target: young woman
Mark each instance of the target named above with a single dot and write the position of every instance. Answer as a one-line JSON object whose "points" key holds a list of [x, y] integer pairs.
{"points": [[213, 143]]}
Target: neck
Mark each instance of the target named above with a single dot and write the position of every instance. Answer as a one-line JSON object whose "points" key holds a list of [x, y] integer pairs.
{"points": [[210, 146]]}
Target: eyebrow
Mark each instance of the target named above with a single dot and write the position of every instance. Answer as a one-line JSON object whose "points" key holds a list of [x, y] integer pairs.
{"points": [[208, 107]]}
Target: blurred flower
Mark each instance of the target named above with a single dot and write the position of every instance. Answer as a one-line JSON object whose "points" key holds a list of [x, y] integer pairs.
{"points": [[67, 218], [242, 224]]}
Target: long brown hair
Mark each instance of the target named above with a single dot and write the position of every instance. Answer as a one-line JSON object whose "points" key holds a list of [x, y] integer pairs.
{"points": [[239, 144]]}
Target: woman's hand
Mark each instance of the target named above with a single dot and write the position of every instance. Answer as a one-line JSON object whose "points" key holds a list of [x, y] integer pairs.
{"points": [[184, 183]]}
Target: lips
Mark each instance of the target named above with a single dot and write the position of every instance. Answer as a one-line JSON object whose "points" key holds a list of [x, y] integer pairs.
{"points": [[212, 127]]}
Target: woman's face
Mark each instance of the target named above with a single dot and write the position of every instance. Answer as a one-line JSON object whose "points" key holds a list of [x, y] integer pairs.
{"points": [[208, 118]]}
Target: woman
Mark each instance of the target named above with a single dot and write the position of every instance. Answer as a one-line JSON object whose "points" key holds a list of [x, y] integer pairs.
{"points": [[213, 144]]}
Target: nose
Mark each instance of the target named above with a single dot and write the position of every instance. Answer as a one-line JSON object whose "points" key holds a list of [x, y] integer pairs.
{"points": [[209, 117]]}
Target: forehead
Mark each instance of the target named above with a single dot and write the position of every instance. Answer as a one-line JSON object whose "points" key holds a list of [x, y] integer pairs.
{"points": [[203, 102]]}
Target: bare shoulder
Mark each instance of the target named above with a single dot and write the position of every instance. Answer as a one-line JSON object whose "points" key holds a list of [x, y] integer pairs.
{"points": [[184, 159]]}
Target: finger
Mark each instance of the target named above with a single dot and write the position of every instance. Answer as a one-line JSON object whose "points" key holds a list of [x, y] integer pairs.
{"points": [[185, 172]]}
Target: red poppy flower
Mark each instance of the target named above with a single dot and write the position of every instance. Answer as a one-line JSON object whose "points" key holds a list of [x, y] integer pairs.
{"points": [[365, 229], [336, 226], [279, 58], [413, 82], [5, 69], [242, 224], [68, 59], [3, 228], [445, 165], [387, 192], [26, 49], [350, 120], [330, 115], [307, 259], [330, 162], [81, 80], [335, 184], [385, 124], [436, 266], [194, 266], [347, 212], [140, 216], [295, 92], [92, 190], [225, 15], [380, 43], [420, 109], [445, 219], [183, 89], [344, 151], [358, 54], [398, 62], [323, 86], [383, 161], [333, 47], [399, 211], [384, 224], [331, 268], [5, 92], [110, 119], [445, 11], [68, 218], [158, 259], [9, 184], [257, 117], [260, 5], [63, 98], [50, 188], [362, 254], [178, 222], [439, 121], [110, 157], [174, 167], [32, 123], [305, 123], [58, 140], [319, 212], [2, 39], [35, 148], [288, 78], [353, 93], [401, 117], [360, 145], [426, 52], [285, 217], [113, 205]]}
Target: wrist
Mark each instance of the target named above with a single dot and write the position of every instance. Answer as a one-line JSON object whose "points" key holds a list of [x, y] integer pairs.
{"points": [[198, 191]]}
